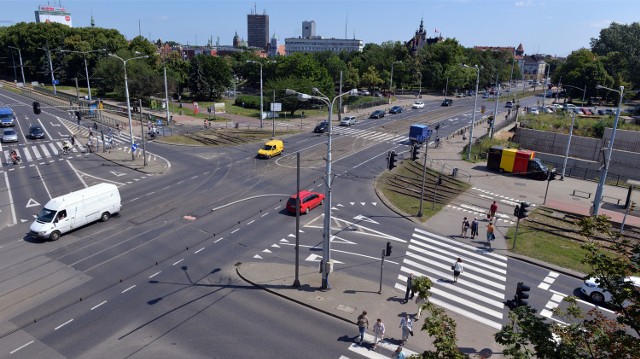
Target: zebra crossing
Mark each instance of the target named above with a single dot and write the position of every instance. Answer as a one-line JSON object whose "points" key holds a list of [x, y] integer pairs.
{"points": [[369, 134], [384, 350], [480, 290]]}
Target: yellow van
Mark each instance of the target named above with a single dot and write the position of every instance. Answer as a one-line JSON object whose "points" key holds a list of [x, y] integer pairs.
{"points": [[271, 148]]}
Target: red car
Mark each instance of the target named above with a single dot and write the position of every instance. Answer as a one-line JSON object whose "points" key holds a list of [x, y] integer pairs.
{"points": [[309, 200]]}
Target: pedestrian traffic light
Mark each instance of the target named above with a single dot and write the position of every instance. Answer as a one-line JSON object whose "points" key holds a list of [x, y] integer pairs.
{"points": [[632, 206], [388, 250], [524, 212], [516, 211], [521, 294], [392, 160], [415, 152], [36, 107]]}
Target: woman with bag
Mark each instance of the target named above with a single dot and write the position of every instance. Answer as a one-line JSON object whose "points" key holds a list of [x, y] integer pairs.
{"points": [[378, 333], [407, 327], [457, 269]]}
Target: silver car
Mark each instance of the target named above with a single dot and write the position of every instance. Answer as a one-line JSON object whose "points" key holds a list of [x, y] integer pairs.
{"points": [[348, 121], [9, 135]]}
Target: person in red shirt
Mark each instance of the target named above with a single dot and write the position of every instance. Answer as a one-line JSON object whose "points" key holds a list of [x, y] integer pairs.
{"points": [[492, 210]]}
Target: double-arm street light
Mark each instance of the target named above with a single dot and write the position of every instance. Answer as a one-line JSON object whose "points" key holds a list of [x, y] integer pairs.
{"points": [[86, 70], [126, 92], [603, 177], [326, 235], [21, 67], [475, 105], [391, 79], [53, 79]]}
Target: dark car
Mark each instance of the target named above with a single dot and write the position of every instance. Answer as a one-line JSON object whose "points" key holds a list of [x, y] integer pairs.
{"points": [[36, 132], [377, 114], [447, 102], [321, 127], [395, 109]]}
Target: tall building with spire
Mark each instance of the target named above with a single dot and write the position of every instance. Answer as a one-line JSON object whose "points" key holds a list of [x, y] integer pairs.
{"points": [[420, 39]]}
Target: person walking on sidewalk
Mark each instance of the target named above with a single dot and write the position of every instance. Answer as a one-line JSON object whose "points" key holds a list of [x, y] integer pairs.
{"points": [[398, 354], [492, 210], [465, 227], [378, 333], [407, 327], [363, 324], [409, 293], [457, 269], [490, 235], [474, 227]]}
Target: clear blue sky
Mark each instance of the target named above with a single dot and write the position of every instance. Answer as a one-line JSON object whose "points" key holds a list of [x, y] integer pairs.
{"points": [[554, 27]]}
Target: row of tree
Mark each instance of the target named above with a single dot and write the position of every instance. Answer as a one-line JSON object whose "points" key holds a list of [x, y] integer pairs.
{"points": [[610, 62]]}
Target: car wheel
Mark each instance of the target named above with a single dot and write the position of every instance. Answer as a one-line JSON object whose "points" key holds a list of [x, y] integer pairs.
{"points": [[306, 210], [105, 216], [322, 202], [597, 297], [54, 236]]}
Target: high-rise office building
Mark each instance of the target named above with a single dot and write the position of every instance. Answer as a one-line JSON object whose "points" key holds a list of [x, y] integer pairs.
{"points": [[308, 29], [258, 30]]}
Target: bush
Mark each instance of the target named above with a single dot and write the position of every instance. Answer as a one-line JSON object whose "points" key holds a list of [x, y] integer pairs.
{"points": [[248, 101]]}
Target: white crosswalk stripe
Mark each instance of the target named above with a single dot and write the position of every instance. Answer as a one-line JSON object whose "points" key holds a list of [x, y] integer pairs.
{"points": [[370, 135], [480, 289], [383, 347]]}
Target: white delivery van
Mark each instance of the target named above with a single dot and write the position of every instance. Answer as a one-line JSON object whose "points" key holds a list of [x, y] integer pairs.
{"points": [[65, 213]]}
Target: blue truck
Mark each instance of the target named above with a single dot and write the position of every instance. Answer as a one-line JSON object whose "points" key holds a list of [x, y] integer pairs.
{"points": [[418, 133]]}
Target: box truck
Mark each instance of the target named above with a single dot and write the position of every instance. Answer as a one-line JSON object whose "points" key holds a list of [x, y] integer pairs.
{"points": [[70, 211], [518, 161], [419, 133]]}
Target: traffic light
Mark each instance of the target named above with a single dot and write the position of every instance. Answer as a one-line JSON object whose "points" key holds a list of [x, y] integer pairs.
{"points": [[415, 152], [388, 250], [524, 212], [521, 294], [516, 211], [632, 206], [392, 160], [36, 107]]}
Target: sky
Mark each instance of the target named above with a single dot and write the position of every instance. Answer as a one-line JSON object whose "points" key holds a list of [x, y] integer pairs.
{"points": [[554, 27]]}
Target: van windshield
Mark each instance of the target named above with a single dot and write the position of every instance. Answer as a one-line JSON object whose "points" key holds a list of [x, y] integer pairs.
{"points": [[46, 215], [6, 116]]}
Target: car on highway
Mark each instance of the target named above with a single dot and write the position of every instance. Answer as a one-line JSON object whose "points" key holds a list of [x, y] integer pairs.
{"points": [[395, 109], [509, 104], [322, 127], [348, 120], [447, 102], [377, 114], [36, 132], [7, 117], [308, 201], [592, 289], [9, 135], [271, 148], [418, 104]]}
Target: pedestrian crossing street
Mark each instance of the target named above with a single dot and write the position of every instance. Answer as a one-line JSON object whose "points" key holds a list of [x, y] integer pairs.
{"points": [[480, 290], [369, 134], [384, 349]]}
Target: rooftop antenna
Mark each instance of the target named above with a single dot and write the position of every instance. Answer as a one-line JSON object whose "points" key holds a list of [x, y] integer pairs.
{"points": [[346, 22], [139, 28]]}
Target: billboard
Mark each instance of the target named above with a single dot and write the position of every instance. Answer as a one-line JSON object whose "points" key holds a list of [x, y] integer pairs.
{"points": [[53, 14]]}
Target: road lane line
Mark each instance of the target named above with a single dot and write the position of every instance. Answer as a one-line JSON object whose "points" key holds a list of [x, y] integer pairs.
{"points": [[200, 250], [251, 222], [264, 214], [128, 289], [218, 240], [63, 324], [155, 274], [43, 184], [178, 261], [98, 305], [235, 230], [13, 206], [20, 347]]}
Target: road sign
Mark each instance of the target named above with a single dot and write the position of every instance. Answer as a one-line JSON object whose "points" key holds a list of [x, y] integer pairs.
{"points": [[276, 106], [134, 147], [56, 82], [159, 122]]}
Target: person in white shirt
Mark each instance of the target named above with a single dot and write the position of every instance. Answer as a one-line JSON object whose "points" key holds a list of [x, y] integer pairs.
{"points": [[457, 269]]}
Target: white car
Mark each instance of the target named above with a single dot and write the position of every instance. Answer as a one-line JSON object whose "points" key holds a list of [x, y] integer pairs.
{"points": [[534, 110], [348, 120], [418, 104], [363, 93], [591, 289]]}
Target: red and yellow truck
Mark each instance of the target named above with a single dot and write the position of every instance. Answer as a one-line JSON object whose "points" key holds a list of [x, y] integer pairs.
{"points": [[523, 162]]}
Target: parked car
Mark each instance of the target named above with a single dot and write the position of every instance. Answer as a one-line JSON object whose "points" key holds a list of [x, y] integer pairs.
{"points": [[549, 109], [377, 114], [7, 117], [395, 109], [485, 95], [586, 111], [534, 110], [322, 127], [348, 120], [271, 148], [597, 294], [447, 102], [308, 201], [9, 135], [418, 104], [509, 104], [36, 132], [460, 94], [377, 94], [578, 111], [568, 106], [363, 93]]}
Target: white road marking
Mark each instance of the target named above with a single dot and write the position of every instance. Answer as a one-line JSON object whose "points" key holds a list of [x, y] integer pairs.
{"points": [[43, 184], [178, 261], [200, 250], [128, 289], [155, 274], [20, 347], [63, 324], [251, 222], [235, 230], [98, 305]]}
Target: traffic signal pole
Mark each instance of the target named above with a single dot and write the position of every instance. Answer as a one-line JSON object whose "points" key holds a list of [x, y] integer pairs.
{"points": [[424, 173], [515, 236]]}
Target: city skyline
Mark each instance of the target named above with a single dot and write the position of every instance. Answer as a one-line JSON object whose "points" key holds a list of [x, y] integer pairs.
{"points": [[551, 27]]}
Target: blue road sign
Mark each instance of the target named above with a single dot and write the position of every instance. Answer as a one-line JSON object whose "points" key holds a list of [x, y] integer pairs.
{"points": [[134, 147], [56, 82], [159, 122]]}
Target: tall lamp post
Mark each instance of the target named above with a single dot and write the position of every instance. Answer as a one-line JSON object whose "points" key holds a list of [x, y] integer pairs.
{"points": [[261, 103], [391, 79], [86, 70], [126, 92], [53, 79], [475, 106], [603, 177], [420, 87], [584, 91], [546, 79], [326, 235], [21, 66]]}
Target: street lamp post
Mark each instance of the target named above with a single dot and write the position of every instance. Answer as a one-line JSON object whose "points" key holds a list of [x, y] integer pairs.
{"points": [[546, 79], [420, 85], [21, 66], [261, 103], [584, 92], [53, 79], [326, 245], [86, 70], [603, 177], [391, 79], [566, 153], [126, 92], [495, 109], [475, 105]]}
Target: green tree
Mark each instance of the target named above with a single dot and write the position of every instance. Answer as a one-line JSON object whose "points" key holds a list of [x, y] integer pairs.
{"points": [[209, 77], [371, 78], [582, 68], [624, 39]]}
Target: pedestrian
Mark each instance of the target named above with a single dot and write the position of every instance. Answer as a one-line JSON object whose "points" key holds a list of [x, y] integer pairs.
{"points": [[420, 302], [409, 293], [363, 324], [407, 327], [492, 210], [90, 131], [465, 227], [474, 227], [457, 269], [490, 235], [378, 333], [73, 139], [398, 354]]}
